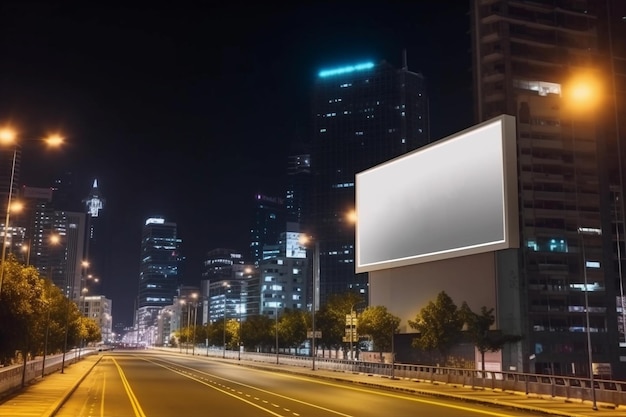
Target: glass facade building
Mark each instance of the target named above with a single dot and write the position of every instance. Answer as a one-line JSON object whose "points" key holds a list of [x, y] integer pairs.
{"points": [[363, 115], [158, 270]]}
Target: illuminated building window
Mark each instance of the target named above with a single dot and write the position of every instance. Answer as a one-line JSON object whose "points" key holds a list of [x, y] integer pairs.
{"points": [[547, 245]]}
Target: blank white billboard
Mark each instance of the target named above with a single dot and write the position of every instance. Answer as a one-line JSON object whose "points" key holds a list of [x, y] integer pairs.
{"points": [[454, 197]]}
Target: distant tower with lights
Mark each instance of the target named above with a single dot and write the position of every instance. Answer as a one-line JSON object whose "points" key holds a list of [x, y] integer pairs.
{"points": [[94, 245]]}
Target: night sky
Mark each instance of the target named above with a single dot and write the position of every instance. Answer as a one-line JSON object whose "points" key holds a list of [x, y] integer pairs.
{"points": [[187, 111]]}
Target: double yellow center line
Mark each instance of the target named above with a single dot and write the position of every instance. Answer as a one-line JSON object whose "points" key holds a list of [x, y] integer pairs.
{"points": [[131, 396]]}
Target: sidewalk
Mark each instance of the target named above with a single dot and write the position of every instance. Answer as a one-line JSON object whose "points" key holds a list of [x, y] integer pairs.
{"points": [[45, 397]]}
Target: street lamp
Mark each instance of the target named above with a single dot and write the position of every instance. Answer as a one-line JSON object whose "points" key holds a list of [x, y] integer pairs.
{"points": [[180, 321], [226, 287], [26, 249], [594, 232], [195, 319], [8, 136], [315, 286], [276, 331]]}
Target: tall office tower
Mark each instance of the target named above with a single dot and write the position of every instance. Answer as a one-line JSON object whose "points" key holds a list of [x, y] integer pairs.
{"points": [[35, 219], [364, 114], [298, 188], [96, 252], [158, 271], [51, 240], [222, 283], [65, 258], [268, 223], [526, 58]]}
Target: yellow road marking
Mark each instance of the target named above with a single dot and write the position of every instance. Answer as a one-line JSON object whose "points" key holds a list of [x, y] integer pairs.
{"points": [[133, 400]]}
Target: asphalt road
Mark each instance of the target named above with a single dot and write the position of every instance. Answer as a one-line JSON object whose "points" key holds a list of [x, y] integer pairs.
{"points": [[155, 384]]}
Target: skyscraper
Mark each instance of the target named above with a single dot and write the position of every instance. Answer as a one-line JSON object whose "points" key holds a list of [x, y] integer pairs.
{"points": [[364, 114], [267, 225], [298, 188], [95, 239], [526, 58], [158, 269]]}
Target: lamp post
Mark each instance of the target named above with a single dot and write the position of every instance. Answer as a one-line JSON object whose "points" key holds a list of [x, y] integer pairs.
{"points": [[194, 296], [315, 288], [316, 282], [226, 287], [276, 332], [240, 324], [82, 313], [26, 249], [8, 136], [45, 342], [581, 232], [180, 321]]}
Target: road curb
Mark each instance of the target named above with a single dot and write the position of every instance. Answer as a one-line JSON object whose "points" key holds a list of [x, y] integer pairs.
{"points": [[59, 403]]}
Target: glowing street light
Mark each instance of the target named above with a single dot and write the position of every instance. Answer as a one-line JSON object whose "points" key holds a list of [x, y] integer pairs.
{"points": [[8, 136]]}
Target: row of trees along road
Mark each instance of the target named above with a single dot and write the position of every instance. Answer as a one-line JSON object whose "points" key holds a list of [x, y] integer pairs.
{"points": [[439, 325], [31, 307]]}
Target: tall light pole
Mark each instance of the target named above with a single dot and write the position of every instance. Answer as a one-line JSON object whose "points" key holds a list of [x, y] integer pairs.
{"points": [[188, 332], [26, 249], [194, 296], [8, 136], [240, 325], [180, 324], [304, 240], [276, 331], [45, 342], [226, 287], [581, 232], [315, 288]]}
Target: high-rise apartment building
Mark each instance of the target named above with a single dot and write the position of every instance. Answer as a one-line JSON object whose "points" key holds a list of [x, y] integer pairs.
{"points": [[527, 57], [284, 272], [364, 114], [158, 270]]}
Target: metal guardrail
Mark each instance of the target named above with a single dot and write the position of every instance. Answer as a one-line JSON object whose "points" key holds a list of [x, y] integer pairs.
{"points": [[15, 376], [569, 388]]}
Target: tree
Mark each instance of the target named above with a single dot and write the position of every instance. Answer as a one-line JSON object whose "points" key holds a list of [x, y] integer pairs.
{"points": [[439, 325], [22, 311], [232, 334], [331, 318], [380, 325], [92, 330], [292, 328], [479, 330], [257, 331]]}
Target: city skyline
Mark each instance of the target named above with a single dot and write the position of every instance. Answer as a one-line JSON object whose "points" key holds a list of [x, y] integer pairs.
{"points": [[176, 117]]}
